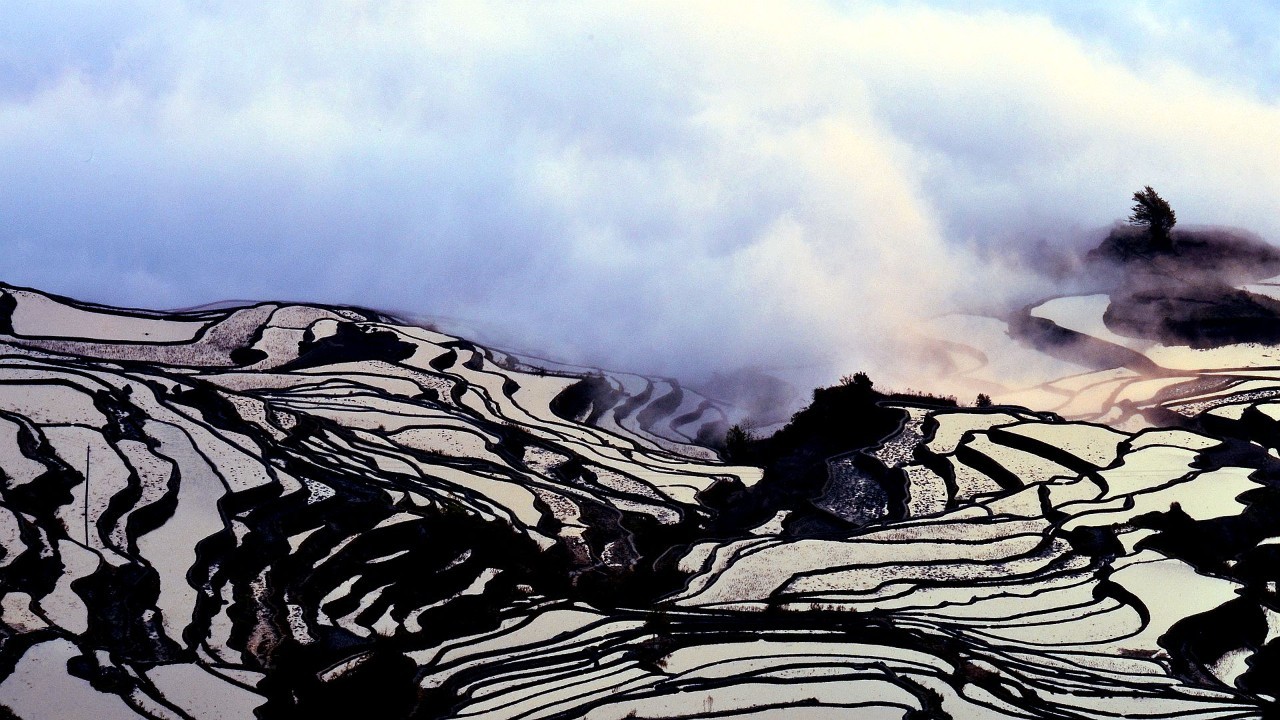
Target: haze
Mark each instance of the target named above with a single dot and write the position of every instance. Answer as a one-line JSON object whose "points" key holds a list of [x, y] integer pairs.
{"points": [[667, 187]]}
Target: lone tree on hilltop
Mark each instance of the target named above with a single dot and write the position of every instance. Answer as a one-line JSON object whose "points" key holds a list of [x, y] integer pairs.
{"points": [[1153, 212], [737, 442]]}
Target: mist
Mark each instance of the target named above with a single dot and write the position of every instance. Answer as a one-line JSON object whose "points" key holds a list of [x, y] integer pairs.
{"points": [[672, 189]]}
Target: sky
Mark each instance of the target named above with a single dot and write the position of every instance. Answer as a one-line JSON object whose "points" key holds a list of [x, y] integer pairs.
{"points": [[671, 187]]}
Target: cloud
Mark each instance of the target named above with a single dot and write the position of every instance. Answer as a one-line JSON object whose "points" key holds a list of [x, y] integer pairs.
{"points": [[665, 187]]}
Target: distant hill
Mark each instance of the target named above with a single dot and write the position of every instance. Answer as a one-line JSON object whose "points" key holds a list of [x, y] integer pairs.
{"points": [[1190, 295]]}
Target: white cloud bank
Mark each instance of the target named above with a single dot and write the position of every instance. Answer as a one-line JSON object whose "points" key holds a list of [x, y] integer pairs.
{"points": [[664, 186]]}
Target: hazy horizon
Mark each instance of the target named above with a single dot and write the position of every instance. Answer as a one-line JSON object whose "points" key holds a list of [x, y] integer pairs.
{"points": [[670, 188]]}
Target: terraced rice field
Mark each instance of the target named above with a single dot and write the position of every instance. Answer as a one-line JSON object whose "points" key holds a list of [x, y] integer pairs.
{"points": [[281, 510]]}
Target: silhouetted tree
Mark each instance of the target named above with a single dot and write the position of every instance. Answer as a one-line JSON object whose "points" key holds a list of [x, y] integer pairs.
{"points": [[1153, 212], [984, 400], [736, 442], [859, 380]]}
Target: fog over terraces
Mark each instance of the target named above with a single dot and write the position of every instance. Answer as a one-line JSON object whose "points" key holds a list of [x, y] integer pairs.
{"points": [[272, 509], [668, 189], [660, 360]]}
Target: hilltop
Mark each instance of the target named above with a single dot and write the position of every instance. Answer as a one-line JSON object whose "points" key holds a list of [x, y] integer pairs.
{"points": [[1191, 294]]}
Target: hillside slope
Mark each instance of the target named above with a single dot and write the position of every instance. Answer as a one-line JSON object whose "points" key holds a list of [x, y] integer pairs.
{"points": [[283, 510]]}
